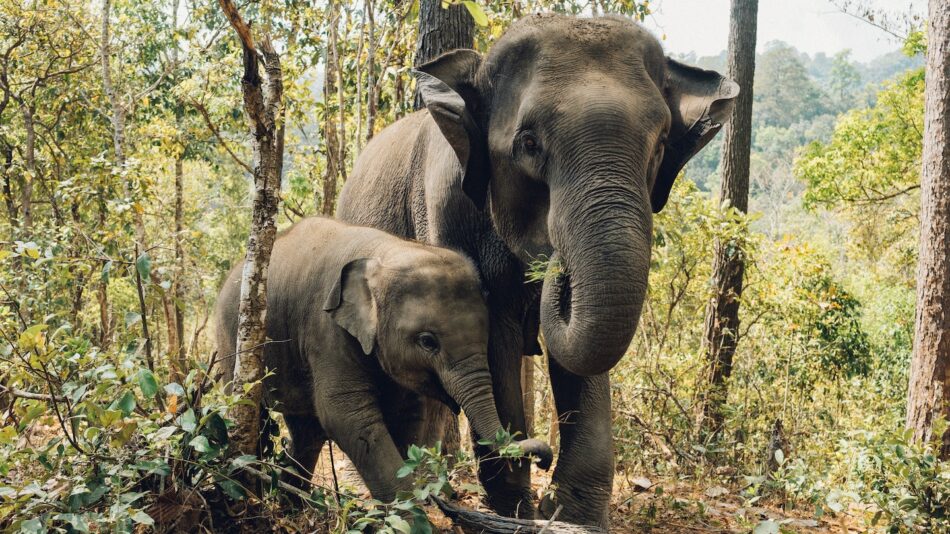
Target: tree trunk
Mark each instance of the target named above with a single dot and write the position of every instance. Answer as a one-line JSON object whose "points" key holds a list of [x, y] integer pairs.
{"points": [[118, 119], [29, 157], [177, 349], [13, 212], [722, 312], [441, 30], [262, 104], [928, 395], [527, 393], [371, 70], [102, 289], [177, 287], [331, 130]]}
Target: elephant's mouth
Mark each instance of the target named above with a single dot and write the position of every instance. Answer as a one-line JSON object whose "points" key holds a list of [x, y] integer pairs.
{"points": [[560, 287], [433, 388]]}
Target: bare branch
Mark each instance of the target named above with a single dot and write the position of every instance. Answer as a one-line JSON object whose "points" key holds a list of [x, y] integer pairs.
{"points": [[203, 111]]}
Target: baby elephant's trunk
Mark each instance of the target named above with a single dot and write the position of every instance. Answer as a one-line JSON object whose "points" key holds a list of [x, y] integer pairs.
{"points": [[473, 392]]}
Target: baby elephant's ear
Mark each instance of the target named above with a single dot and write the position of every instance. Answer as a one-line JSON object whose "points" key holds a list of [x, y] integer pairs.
{"points": [[351, 303]]}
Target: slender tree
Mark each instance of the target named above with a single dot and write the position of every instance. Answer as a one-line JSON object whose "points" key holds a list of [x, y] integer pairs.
{"points": [[928, 395], [265, 114], [441, 30], [722, 312], [333, 133]]}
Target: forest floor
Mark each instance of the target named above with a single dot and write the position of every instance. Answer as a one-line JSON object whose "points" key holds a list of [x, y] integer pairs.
{"points": [[638, 504], [661, 506]]}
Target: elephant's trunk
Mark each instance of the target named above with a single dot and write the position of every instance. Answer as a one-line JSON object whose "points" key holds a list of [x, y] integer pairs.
{"points": [[473, 391], [601, 232]]}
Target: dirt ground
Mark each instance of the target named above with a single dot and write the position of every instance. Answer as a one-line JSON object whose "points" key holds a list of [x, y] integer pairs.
{"points": [[643, 505]]}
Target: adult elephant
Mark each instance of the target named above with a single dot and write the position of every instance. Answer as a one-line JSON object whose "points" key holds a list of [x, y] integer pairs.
{"points": [[560, 143]]}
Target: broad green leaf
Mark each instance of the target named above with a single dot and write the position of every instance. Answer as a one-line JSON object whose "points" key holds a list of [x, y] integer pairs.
{"points": [[200, 444], [175, 389], [106, 269], [142, 518], [405, 471], [398, 523], [420, 522], [147, 383], [188, 421], [143, 264], [124, 434], [126, 403], [33, 337]]}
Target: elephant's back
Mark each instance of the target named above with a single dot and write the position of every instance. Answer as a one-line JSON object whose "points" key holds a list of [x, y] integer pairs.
{"points": [[298, 278], [381, 190]]}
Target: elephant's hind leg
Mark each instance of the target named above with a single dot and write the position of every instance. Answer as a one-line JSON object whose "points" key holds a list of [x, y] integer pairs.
{"points": [[306, 439], [585, 466]]}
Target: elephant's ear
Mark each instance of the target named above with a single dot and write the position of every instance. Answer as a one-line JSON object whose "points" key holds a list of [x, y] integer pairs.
{"points": [[700, 101], [447, 87], [351, 303]]}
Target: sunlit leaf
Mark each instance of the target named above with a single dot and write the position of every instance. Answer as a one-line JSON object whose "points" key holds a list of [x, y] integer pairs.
{"points": [[478, 14]]}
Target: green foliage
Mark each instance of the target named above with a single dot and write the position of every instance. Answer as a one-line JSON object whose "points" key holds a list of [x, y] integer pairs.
{"points": [[874, 153], [93, 436], [906, 480], [784, 94], [870, 171]]}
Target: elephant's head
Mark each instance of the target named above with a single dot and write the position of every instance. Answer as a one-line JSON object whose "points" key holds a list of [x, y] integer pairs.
{"points": [[421, 312], [572, 131]]}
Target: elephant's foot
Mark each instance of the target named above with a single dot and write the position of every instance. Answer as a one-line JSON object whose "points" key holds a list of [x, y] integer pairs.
{"points": [[508, 489], [579, 505]]}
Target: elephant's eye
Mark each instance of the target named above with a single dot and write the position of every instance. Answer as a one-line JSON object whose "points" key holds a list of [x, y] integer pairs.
{"points": [[529, 142], [428, 341]]}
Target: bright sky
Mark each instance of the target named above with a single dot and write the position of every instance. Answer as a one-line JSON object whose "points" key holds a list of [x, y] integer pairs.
{"points": [[811, 26]]}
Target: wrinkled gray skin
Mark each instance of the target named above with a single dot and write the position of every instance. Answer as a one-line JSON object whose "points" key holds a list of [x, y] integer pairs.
{"points": [[365, 325], [561, 142]]}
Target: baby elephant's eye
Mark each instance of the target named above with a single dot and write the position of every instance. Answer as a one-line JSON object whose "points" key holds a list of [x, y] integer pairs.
{"points": [[529, 142], [428, 341]]}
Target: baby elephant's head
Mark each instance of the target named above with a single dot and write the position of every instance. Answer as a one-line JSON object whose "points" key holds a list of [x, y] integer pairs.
{"points": [[421, 311]]}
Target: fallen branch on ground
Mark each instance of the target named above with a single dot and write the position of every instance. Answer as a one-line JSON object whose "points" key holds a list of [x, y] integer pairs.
{"points": [[472, 521]]}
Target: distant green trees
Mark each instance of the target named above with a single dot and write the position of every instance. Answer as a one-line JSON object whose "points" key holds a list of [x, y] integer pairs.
{"points": [[784, 93]]}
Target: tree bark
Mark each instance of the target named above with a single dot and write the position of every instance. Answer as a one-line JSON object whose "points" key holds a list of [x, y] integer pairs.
{"points": [[29, 157], [928, 394], [13, 212], [265, 113], [722, 312], [371, 70], [177, 286], [527, 393], [117, 119], [177, 349], [331, 130], [440, 31]]}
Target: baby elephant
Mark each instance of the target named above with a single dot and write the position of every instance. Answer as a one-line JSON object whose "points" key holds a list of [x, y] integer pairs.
{"points": [[359, 324]]}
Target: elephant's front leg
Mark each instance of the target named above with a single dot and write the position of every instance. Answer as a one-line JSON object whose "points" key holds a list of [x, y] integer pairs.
{"points": [[507, 484], [357, 425], [584, 474]]}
